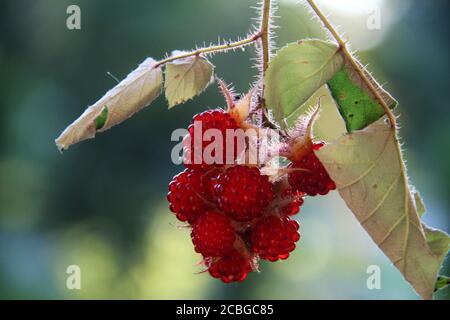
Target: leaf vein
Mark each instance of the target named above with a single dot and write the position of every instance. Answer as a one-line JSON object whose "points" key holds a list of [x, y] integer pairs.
{"points": [[382, 200], [370, 168]]}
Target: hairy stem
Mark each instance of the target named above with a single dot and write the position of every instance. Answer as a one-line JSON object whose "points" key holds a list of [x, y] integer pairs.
{"points": [[265, 34], [343, 46], [265, 44], [212, 49]]}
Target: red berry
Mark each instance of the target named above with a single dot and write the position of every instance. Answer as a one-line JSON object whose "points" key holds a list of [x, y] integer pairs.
{"points": [[232, 267], [191, 193], [274, 237], [316, 146], [294, 202], [194, 146], [243, 193], [213, 235], [310, 176]]}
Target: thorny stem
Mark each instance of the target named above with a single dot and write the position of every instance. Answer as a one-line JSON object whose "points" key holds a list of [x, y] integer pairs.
{"points": [[349, 57]]}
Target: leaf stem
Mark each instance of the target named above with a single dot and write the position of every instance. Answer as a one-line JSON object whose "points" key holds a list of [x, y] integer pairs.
{"points": [[212, 49], [343, 46]]}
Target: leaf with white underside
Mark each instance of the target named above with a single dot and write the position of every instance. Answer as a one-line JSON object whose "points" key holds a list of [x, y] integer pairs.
{"points": [[137, 90], [371, 178], [186, 78], [296, 72]]}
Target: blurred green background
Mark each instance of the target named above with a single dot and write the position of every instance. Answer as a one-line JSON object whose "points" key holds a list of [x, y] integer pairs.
{"points": [[101, 205]]}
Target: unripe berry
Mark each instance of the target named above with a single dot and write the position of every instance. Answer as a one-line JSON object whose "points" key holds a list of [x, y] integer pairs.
{"points": [[243, 193], [213, 235]]}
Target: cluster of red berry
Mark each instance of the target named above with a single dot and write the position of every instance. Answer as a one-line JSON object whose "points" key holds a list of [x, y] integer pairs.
{"points": [[237, 215]]}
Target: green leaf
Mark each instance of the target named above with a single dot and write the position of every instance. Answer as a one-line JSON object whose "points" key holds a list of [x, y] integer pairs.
{"points": [[101, 119], [442, 293], [357, 105], [442, 282], [186, 78], [420, 206], [371, 178], [296, 72], [136, 91], [437, 240]]}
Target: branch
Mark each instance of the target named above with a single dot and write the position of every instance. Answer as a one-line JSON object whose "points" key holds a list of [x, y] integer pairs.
{"points": [[212, 49], [354, 63]]}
